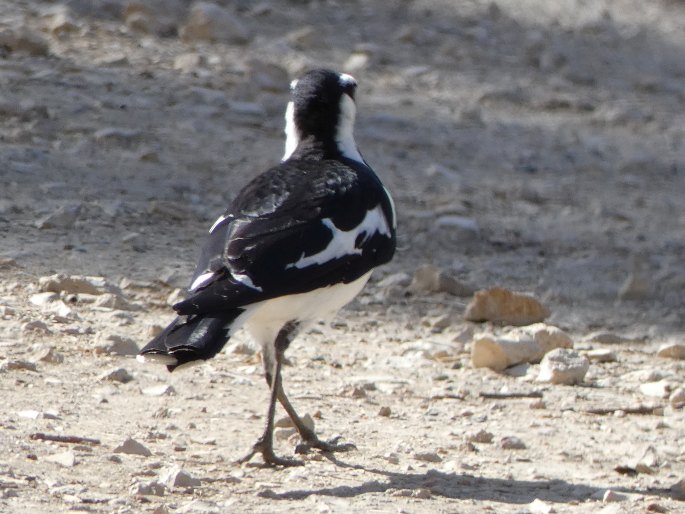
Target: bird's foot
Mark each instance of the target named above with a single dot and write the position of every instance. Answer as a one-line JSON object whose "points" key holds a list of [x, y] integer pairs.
{"points": [[270, 458], [325, 446]]}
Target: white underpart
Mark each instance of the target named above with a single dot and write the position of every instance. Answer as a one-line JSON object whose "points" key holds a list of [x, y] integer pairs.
{"points": [[267, 318], [343, 241], [292, 136], [216, 223], [344, 135]]}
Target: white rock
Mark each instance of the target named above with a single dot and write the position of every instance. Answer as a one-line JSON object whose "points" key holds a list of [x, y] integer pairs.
{"points": [[159, 390], [660, 389], [132, 447], [563, 366], [537, 506], [76, 284], [672, 351], [43, 299], [66, 459], [153, 488], [115, 301], [612, 496], [601, 355], [189, 62], [210, 22], [177, 477], [49, 355]]}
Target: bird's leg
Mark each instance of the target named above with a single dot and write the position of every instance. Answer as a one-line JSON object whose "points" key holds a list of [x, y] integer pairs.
{"points": [[307, 434], [265, 444]]}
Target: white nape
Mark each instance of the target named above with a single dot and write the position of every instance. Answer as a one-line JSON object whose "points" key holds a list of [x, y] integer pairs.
{"points": [[292, 136], [343, 242], [344, 132]]}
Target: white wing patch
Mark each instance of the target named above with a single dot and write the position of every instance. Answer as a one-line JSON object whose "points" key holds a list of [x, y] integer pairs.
{"points": [[344, 136], [343, 241], [200, 281], [292, 136]]}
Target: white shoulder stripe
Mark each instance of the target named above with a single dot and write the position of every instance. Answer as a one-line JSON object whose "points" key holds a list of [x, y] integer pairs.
{"points": [[343, 242], [200, 281], [216, 223]]}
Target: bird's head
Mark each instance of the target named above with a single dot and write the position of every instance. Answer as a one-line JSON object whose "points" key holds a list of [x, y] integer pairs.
{"points": [[322, 111]]}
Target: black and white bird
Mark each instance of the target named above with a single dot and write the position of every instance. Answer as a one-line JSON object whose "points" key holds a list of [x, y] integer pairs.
{"points": [[298, 242]]}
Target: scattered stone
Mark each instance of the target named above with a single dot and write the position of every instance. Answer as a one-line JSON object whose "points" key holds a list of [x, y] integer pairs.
{"points": [[601, 355], [612, 496], [427, 457], [677, 398], [43, 299], [240, 348], [428, 278], [267, 75], [116, 345], [115, 301], [17, 365], [117, 135], [384, 411], [49, 355], [76, 284], [482, 436], [672, 351], [563, 366], [136, 241], [636, 287], [512, 443], [117, 375], [501, 305], [132, 447], [660, 389], [29, 414], [159, 390], [306, 38], [24, 41], [537, 506], [678, 490], [523, 345], [607, 338], [210, 22], [356, 61], [153, 488], [177, 477], [189, 62], [63, 217], [61, 24], [66, 459], [649, 462], [36, 325], [286, 422]]}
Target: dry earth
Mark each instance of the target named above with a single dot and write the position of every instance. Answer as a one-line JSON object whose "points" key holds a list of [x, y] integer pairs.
{"points": [[533, 145]]}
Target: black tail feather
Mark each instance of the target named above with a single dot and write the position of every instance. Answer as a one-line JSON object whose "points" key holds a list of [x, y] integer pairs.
{"points": [[190, 338]]}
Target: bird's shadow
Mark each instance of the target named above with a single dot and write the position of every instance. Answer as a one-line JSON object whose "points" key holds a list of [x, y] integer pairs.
{"points": [[461, 487]]}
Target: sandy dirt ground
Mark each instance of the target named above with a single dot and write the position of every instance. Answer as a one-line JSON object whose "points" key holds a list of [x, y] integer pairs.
{"points": [[532, 145]]}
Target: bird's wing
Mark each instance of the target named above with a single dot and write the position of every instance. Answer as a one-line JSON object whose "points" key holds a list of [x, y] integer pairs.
{"points": [[298, 227]]}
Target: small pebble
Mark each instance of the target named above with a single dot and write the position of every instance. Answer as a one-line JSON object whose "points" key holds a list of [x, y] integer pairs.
{"points": [[512, 443]]}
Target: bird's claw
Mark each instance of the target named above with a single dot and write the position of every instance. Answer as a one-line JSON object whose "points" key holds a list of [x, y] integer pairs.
{"points": [[270, 458], [325, 446]]}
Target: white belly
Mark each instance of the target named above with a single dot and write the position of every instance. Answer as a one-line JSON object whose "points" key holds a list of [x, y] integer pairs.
{"points": [[267, 318]]}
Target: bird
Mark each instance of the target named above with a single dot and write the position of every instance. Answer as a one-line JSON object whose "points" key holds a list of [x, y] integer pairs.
{"points": [[296, 244]]}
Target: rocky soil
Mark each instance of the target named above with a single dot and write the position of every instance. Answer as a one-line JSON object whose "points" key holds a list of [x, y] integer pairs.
{"points": [[532, 147]]}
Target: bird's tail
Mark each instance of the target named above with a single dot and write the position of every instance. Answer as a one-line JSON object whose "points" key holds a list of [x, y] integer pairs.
{"points": [[191, 338]]}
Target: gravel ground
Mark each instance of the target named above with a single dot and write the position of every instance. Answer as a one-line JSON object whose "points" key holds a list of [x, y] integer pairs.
{"points": [[529, 145]]}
